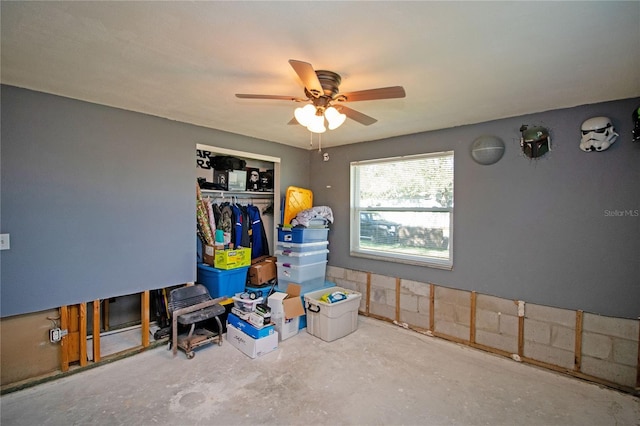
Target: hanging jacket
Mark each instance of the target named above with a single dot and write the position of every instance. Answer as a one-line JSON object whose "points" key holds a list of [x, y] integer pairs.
{"points": [[241, 228], [259, 242]]}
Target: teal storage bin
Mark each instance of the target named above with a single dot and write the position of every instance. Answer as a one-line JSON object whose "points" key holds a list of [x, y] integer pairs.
{"points": [[222, 282]]}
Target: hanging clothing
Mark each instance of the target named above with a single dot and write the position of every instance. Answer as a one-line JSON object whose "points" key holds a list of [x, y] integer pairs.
{"points": [[242, 223], [226, 218], [259, 242], [240, 235]]}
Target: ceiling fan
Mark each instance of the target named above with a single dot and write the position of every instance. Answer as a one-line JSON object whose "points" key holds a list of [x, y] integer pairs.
{"points": [[321, 88]]}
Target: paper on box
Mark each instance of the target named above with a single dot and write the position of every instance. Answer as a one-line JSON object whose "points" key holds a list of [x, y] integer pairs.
{"points": [[250, 346], [209, 253]]}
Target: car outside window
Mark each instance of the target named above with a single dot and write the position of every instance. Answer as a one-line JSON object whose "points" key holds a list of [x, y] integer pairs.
{"points": [[402, 209]]}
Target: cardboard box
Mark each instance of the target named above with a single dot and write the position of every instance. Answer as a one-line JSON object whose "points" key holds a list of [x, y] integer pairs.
{"points": [[230, 259], [286, 310], [263, 271], [248, 329], [209, 253], [251, 347]]}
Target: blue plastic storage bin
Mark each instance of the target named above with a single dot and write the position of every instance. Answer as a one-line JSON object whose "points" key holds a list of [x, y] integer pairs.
{"points": [[222, 282], [302, 235]]}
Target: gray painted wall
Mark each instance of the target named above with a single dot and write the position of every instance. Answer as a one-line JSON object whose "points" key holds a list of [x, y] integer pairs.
{"points": [[532, 230], [100, 202]]}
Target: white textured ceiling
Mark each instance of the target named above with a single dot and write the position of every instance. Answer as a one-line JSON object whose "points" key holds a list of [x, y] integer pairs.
{"points": [[459, 62]]}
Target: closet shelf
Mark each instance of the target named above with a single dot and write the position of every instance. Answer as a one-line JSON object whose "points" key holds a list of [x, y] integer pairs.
{"points": [[250, 194]]}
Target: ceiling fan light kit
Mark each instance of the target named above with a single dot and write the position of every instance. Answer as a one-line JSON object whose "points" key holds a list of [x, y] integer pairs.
{"points": [[316, 124], [313, 118], [321, 88], [334, 118]]}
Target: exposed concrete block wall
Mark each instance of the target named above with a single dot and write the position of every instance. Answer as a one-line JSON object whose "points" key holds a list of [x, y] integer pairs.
{"points": [[497, 323], [610, 348], [415, 303], [383, 296], [550, 335], [545, 336], [452, 312]]}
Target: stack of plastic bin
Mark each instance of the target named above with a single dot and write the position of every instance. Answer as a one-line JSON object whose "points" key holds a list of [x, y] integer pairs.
{"points": [[302, 259]]}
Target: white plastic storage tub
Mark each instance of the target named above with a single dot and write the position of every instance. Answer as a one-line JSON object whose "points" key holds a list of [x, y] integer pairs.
{"points": [[301, 247], [331, 321], [310, 277], [298, 274], [301, 259]]}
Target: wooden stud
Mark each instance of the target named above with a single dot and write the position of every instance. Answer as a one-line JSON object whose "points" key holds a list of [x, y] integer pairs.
{"points": [[105, 315], [520, 328], [432, 307], [577, 356], [368, 303], [472, 322], [398, 299], [82, 333], [64, 325], [144, 318], [96, 331]]}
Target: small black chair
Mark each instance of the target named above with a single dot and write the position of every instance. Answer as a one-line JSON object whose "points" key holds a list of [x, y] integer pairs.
{"points": [[191, 305]]}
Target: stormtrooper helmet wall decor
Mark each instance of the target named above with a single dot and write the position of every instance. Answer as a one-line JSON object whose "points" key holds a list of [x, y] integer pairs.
{"points": [[535, 141], [597, 134]]}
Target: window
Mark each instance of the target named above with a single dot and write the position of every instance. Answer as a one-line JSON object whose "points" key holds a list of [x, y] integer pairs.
{"points": [[402, 209]]}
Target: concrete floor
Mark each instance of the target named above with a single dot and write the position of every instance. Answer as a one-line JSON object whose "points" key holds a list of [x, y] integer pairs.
{"points": [[379, 375]]}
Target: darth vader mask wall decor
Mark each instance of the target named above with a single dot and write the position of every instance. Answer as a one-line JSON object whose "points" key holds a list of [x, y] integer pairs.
{"points": [[597, 134], [535, 141]]}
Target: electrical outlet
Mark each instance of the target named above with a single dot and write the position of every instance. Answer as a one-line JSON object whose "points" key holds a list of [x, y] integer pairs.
{"points": [[4, 242], [56, 334]]}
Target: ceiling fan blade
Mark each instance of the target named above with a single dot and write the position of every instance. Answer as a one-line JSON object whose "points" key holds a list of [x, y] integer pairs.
{"points": [[278, 97], [373, 94], [356, 115], [308, 77]]}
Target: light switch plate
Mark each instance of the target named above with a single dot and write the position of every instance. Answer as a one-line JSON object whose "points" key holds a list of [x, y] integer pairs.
{"points": [[4, 242]]}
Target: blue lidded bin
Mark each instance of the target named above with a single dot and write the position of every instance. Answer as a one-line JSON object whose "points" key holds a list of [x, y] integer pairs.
{"points": [[222, 282], [302, 235]]}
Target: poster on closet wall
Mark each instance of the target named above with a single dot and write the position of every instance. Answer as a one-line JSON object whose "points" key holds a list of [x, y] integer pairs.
{"points": [[253, 179], [203, 166], [266, 181], [221, 179]]}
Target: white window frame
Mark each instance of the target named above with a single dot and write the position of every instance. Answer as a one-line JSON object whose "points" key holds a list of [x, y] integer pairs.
{"points": [[392, 256]]}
